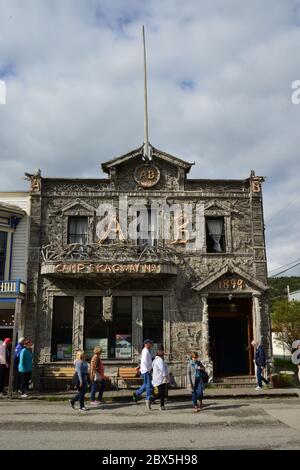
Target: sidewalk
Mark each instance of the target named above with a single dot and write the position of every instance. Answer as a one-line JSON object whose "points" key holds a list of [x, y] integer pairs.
{"points": [[176, 394]]}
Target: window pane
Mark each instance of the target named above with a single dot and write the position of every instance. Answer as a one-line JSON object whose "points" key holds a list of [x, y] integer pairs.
{"points": [[153, 319], [62, 328], [95, 329], [120, 330], [78, 230], [215, 237], [3, 243]]}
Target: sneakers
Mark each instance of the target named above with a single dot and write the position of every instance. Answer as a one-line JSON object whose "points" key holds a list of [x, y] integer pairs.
{"points": [[95, 403], [148, 404], [162, 408], [71, 404], [258, 388], [135, 398], [24, 395], [84, 409], [196, 409]]}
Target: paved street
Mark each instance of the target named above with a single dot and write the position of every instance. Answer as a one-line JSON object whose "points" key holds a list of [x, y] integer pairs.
{"points": [[270, 423]]}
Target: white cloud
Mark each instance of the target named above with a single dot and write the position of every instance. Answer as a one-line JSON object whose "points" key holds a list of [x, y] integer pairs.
{"points": [[73, 71]]}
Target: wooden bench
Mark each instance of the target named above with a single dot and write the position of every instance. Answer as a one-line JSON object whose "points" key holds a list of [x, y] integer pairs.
{"points": [[62, 374], [128, 374], [57, 374]]}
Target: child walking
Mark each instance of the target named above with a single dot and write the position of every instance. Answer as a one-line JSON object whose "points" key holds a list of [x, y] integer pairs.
{"points": [[160, 376], [194, 380]]}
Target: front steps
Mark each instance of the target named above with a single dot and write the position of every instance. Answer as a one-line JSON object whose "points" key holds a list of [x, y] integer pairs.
{"points": [[235, 381]]}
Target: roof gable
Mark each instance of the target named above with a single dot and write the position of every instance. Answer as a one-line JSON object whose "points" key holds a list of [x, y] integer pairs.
{"points": [[107, 166], [229, 268]]}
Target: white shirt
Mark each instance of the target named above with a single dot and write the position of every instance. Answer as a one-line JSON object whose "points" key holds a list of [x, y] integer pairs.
{"points": [[146, 361], [160, 372]]}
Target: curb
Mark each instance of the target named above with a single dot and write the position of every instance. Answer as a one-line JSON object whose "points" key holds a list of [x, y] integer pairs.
{"points": [[124, 399]]}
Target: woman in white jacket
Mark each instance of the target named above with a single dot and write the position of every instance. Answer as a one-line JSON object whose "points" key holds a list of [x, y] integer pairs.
{"points": [[160, 375]]}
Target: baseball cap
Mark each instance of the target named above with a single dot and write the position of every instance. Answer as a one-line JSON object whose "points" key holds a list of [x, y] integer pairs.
{"points": [[148, 341], [7, 341]]}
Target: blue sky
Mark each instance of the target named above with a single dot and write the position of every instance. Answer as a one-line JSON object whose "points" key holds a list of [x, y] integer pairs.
{"points": [[219, 75]]}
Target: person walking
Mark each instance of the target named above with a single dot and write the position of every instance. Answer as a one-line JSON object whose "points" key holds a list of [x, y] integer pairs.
{"points": [[81, 380], [97, 377], [195, 381], [160, 376], [260, 362], [17, 377], [4, 363], [145, 369], [25, 367]]}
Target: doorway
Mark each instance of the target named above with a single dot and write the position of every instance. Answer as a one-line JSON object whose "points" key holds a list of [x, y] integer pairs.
{"points": [[230, 331]]}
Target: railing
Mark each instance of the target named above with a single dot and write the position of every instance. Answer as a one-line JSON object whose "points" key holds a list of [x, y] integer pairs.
{"points": [[13, 287]]}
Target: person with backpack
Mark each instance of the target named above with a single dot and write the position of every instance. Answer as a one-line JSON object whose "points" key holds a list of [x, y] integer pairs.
{"points": [[160, 376], [195, 374], [80, 380]]}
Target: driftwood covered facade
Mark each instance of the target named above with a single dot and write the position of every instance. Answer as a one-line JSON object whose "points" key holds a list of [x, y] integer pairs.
{"points": [[202, 287]]}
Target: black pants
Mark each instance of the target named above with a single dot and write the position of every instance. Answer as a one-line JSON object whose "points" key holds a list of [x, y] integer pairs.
{"points": [[3, 375], [80, 395], [17, 380], [162, 389], [25, 379]]}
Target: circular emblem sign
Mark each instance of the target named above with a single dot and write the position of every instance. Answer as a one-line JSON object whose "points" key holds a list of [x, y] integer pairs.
{"points": [[147, 175]]}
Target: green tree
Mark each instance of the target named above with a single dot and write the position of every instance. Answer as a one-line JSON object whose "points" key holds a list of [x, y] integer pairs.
{"points": [[286, 321]]}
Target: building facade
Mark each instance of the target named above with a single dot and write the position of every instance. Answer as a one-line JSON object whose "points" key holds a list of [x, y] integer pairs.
{"points": [[14, 236], [148, 253]]}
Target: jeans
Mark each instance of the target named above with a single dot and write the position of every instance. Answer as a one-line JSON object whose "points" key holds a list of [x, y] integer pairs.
{"points": [[147, 385], [25, 379], [80, 395], [94, 386], [197, 392], [260, 378]]}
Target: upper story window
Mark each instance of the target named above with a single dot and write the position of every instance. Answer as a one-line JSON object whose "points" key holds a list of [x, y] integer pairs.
{"points": [[215, 235], [78, 230], [147, 227], [3, 245]]}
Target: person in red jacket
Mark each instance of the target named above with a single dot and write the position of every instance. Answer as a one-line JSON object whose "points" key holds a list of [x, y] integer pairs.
{"points": [[4, 362]]}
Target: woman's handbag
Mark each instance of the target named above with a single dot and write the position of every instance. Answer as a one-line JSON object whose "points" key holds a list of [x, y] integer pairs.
{"points": [[97, 377], [75, 380], [204, 376]]}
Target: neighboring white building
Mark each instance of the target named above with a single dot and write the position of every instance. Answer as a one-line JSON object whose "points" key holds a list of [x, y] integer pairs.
{"points": [[14, 235], [279, 349], [294, 295]]}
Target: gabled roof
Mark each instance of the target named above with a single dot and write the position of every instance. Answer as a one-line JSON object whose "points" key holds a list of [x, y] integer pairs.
{"points": [[139, 152], [229, 268]]}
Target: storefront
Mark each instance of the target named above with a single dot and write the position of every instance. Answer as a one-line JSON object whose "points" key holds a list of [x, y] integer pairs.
{"points": [[148, 253]]}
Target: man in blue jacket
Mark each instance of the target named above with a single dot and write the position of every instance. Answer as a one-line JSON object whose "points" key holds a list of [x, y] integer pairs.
{"points": [[17, 378], [261, 362]]}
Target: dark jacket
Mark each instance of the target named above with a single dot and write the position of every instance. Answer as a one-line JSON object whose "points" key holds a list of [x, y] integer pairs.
{"points": [[18, 350], [260, 356]]}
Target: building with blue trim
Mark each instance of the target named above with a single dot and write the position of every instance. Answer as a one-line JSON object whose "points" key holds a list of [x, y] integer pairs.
{"points": [[14, 230]]}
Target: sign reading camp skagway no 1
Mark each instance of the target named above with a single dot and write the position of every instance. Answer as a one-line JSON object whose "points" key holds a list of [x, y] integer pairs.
{"points": [[83, 268]]}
